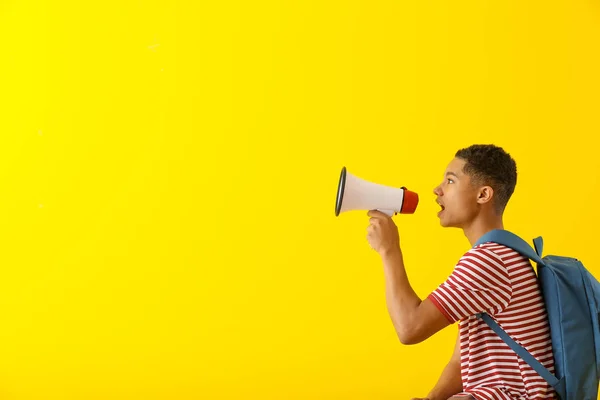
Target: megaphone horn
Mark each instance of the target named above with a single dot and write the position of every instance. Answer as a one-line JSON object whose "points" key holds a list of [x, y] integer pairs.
{"points": [[358, 194]]}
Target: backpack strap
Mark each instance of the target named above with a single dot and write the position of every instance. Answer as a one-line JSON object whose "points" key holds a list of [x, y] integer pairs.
{"points": [[513, 241], [521, 352], [538, 245]]}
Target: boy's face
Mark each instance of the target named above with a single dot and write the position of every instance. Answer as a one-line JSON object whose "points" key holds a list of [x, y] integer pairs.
{"points": [[457, 196]]}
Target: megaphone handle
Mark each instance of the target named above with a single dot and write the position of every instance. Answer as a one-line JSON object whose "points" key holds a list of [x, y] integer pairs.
{"points": [[390, 213]]}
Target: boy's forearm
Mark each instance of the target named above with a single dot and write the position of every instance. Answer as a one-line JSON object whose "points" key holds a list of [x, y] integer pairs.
{"points": [[402, 300]]}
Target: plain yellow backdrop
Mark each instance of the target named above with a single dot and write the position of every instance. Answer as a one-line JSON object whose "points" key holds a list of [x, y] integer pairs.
{"points": [[168, 173]]}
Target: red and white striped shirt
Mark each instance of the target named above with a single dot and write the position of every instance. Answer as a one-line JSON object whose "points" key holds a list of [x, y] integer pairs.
{"points": [[495, 279]]}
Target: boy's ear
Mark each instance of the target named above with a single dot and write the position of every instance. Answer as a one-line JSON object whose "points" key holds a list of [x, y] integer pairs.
{"points": [[485, 194]]}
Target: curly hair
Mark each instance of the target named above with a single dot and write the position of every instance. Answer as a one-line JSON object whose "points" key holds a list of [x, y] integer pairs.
{"points": [[488, 164]]}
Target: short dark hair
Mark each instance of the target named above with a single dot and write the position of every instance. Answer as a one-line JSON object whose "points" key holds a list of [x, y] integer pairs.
{"points": [[488, 164]]}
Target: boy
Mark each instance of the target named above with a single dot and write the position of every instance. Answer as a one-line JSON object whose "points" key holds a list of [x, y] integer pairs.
{"points": [[478, 183]]}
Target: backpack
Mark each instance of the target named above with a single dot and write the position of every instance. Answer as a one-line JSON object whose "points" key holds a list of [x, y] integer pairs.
{"points": [[571, 295]]}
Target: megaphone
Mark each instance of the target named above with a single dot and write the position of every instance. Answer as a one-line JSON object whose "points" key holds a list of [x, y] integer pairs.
{"points": [[358, 194]]}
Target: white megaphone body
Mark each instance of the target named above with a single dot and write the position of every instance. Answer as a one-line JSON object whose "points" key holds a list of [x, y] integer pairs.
{"points": [[358, 194]]}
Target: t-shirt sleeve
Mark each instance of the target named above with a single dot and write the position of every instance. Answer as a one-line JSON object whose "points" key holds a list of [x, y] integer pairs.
{"points": [[478, 283]]}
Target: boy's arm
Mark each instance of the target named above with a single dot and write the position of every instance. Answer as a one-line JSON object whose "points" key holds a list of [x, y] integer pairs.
{"points": [[450, 382], [414, 319]]}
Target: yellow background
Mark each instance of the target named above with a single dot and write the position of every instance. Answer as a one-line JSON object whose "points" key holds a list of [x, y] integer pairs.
{"points": [[168, 173]]}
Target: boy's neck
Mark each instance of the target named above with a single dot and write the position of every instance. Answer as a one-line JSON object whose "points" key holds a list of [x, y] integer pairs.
{"points": [[481, 226]]}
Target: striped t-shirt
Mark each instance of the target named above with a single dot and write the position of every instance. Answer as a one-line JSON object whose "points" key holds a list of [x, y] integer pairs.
{"points": [[497, 280]]}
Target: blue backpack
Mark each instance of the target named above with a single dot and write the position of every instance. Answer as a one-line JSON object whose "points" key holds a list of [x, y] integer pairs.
{"points": [[572, 295]]}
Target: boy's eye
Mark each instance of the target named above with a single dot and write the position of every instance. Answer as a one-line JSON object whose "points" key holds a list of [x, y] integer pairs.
{"points": [[450, 180]]}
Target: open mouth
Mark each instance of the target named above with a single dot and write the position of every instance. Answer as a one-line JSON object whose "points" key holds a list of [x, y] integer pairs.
{"points": [[442, 208]]}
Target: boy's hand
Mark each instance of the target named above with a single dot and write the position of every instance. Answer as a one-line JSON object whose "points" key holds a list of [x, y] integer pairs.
{"points": [[382, 232]]}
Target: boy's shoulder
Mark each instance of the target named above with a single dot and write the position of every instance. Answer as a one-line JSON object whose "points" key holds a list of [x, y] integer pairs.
{"points": [[494, 255], [488, 249]]}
